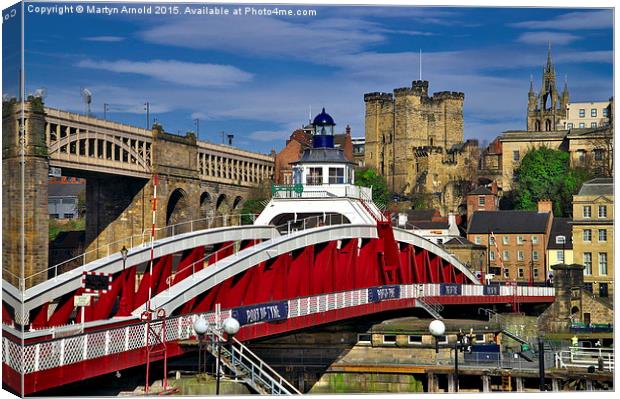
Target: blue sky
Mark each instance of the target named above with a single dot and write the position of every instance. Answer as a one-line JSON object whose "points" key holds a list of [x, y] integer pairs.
{"points": [[257, 76]]}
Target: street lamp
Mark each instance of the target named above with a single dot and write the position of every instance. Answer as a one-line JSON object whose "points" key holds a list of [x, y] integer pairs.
{"points": [[230, 326], [437, 329], [200, 327], [124, 252]]}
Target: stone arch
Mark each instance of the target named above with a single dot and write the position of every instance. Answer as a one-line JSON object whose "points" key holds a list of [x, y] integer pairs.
{"points": [[222, 210], [537, 126], [206, 208], [237, 202], [177, 209]]}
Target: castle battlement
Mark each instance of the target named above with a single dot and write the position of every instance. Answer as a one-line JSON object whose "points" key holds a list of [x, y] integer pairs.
{"points": [[378, 96], [448, 95]]}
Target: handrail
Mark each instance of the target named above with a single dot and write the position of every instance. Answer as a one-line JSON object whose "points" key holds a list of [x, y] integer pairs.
{"points": [[131, 242]]}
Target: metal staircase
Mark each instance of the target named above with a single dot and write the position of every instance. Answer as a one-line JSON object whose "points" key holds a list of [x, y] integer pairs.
{"points": [[431, 306], [247, 366]]}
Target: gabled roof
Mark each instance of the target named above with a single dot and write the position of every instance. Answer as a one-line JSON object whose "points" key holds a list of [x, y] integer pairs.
{"points": [[508, 222], [427, 225], [560, 227], [462, 242]]}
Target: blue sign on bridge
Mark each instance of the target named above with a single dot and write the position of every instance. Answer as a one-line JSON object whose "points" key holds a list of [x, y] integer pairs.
{"points": [[491, 289], [263, 312], [450, 289], [377, 294]]}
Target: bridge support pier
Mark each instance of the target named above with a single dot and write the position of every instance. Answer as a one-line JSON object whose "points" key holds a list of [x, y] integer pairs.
{"points": [[451, 383], [486, 383], [433, 383], [519, 384], [555, 384], [589, 385], [34, 224]]}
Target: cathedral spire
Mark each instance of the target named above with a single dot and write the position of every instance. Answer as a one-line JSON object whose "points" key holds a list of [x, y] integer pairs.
{"points": [[549, 62]]}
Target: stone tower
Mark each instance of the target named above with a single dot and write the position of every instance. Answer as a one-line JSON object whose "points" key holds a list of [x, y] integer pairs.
{"points": [[28, 126], [545, 110], [399, 123]]}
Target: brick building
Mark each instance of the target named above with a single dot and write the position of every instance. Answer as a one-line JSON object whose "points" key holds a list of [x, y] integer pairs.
{"points": [[560, 246], [518, 242], [593, 234], [481, 199]]}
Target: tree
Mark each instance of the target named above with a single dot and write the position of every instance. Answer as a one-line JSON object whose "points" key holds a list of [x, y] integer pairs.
{"points": [[368, 177], [545, 173]]}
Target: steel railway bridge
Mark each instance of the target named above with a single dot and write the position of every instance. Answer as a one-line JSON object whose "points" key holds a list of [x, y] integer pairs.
{"points": [[271, 279]]}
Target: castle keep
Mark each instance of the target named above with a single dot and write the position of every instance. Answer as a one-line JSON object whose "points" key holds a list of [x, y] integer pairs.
{"points": [[416, 141]]}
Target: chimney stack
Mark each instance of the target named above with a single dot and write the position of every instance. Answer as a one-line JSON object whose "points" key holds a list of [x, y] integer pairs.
{"points": [[545, 205]]}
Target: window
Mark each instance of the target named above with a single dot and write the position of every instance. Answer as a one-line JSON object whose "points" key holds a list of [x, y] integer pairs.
{"points": [[479, 338], [364, 338], [587, 286], [534, 239], [443, 339], [336, 175], [506, 273], [515, 155], [478, 240], [520, 240], [506, 255], [603, 290], [605, 112], [602, 235], [602, 211], [582, 125], [481, 200], [582, 113], [492, 240], [69, 201], [54, 215], [602, 263], [492, 255], [505, 240], [314, 176], [389, 339], [587, 211], [593, 112], [520, 256], [593, 124], [569, 126], [598, 154], [560, 256], [53, 201], [68, 216], [587, 235], [415, 340], [535, 273], [521, 272], [535, 255], [587, 262]]}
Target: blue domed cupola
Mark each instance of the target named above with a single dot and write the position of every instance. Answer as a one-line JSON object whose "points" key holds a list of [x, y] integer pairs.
{"points": [[323, 130]]}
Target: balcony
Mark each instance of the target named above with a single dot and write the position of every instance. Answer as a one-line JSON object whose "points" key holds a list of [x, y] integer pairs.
{"points": [[285, 191]]}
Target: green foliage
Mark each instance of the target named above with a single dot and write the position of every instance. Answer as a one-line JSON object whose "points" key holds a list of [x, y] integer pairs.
{"points": [[252, 206], [57, 226], [545, 173], [369, 177]]}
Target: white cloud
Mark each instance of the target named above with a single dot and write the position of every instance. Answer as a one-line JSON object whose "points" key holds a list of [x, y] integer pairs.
{"points": [[544, 37], [110, 39], [178, 72], [599, 19]]}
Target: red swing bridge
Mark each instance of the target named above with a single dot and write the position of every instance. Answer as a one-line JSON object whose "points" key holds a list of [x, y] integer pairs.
{"points": [[321, 252], [272, 281]]}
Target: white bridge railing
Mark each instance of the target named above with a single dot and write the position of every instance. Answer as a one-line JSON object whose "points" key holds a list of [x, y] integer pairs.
{"points": [[578, 357], [90, 345]]}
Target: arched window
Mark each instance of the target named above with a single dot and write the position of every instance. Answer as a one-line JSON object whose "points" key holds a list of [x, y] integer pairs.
{"points": [[548, 125]]}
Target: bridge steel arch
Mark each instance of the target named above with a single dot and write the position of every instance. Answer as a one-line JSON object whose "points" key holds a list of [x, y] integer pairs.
{"points": [[71, 281], [282, 263]]}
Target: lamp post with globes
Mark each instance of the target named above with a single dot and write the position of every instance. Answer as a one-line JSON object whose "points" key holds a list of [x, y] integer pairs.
{"points": [[200, 327], [124, 252], [230, 327]]}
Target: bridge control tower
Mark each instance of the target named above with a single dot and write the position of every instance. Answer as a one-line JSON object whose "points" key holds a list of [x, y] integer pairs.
{"points": [[323, 190]]}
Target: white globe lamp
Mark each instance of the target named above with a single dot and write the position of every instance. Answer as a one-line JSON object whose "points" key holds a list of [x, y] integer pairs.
{"points": [[200, 326], [437, 328], [231, 326]]}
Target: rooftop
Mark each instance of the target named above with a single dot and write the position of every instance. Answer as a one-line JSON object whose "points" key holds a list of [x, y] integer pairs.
{"points": [[508, 222], [461, 242], [323, 155], [560, 227], [480, 191], [598, 186]]}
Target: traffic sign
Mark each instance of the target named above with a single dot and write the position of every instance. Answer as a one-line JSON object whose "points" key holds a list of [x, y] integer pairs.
{"points": [[81, 300], [96, 282]]}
